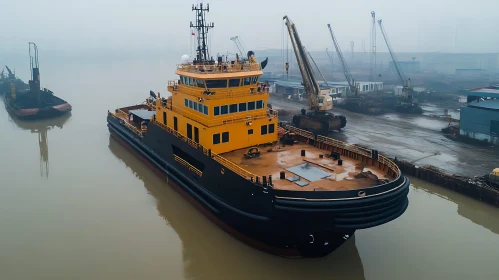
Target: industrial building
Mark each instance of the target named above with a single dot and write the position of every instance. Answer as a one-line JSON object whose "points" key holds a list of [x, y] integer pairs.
{"points": [[480, 117], [295, 89]]}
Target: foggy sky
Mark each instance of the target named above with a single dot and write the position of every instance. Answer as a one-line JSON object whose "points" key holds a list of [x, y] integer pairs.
{"points": [[126, 25]]}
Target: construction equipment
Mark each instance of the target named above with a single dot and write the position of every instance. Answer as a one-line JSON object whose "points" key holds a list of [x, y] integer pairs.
{"points": [[318, 120], [239, 45], [408, 91], [353, 86], [11, 75]]}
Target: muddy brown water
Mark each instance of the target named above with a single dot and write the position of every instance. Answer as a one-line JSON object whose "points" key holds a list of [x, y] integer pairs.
{"points": [[74, 204]]}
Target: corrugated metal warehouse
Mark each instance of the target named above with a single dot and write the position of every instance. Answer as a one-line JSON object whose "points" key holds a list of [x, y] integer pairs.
{"points": [[480, 118]]}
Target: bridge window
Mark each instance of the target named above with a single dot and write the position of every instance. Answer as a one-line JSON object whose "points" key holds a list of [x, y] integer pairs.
{"points": [[271, 128], [247, 81], [251, 105], [203, 109], [200, 83], [234, 82], [242, 107], [225, 137], [216, 110], [259, 104], [233, 108], [254, 80], [216, 138], [216, 83], [263, 130], [224, 109]]}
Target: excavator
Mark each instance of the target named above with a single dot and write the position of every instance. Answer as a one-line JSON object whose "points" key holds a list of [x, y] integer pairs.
{"points": [[403, 107], [318, 119], [354, 101]]}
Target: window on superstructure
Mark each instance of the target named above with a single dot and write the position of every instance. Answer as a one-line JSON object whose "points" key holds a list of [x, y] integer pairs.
{"points": [[250, 131], [216, 138], [224, 109], [175, 123], [234, 82], [242, 107], [182, 80], [216, 83], [206, 110], [216, 110], [259, 104], [200, 83], [271, 128], [196, 134], [233, 108], [263, 130], [251, 105], [190, 104], [186, 102], [254, 80], [246, 81], [200, 108], [225, 137], [195, 107], [189, 131]]}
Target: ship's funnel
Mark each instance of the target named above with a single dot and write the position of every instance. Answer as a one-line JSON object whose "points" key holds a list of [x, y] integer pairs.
{"points": [[264, 63]]}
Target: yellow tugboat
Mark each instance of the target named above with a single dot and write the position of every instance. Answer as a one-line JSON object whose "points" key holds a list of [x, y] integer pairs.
{"points": [[276, 187]]}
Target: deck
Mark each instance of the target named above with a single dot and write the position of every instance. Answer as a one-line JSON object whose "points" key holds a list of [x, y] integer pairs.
{"points": [[309, 172]]}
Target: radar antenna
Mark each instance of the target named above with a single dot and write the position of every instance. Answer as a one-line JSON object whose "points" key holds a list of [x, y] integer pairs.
{"points": [[202, 52]]}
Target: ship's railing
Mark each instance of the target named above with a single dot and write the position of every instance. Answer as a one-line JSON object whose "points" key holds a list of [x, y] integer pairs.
{"points": [[120, 114], [216, 93], [188, 165], [298, 131], [386, 161], [217, 69], [223, 161], [219, 120], [345, 146], [235, 168], [178, 135]]}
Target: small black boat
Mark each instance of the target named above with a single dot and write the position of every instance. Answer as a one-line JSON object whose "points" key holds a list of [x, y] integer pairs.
{"points": [[36, 103]]}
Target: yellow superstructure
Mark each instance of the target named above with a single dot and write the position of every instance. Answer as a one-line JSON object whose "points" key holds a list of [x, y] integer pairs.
{"points": [[221, 106]]}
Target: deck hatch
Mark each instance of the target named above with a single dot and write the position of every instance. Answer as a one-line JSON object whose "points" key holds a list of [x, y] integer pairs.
{"points": [[309, 172]]}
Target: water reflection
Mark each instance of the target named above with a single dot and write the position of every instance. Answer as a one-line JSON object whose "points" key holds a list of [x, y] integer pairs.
{"points": [[41, 128], [209, 253], [477, 212]]}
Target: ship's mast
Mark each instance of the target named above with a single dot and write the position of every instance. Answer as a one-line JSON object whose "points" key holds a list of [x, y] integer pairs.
{"points": [[202, 52]]}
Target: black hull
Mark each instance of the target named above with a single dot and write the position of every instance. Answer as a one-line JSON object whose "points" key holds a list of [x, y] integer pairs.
{"points": [[59, 108], [258, 216]]}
